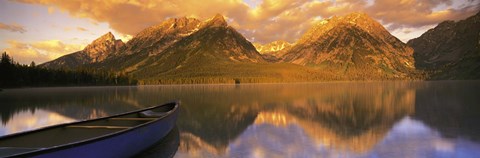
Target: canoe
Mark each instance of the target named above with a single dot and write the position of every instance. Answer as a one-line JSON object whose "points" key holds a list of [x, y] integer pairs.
{"points": [[122, 135]]}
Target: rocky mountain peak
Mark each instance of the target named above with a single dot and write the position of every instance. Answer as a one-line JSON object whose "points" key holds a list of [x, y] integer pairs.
{"points": [[222, 41], [447, 23], [168, 26], [273, 51], [272, 47], [364, 21], [95, 52], [108, 37], [356, 16], [217, 21], [158, 37], [357, 19], [352, 43], [100, 48], [182, 22]]}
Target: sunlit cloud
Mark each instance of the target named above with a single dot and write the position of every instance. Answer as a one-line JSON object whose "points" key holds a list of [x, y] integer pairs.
{"points": [[268, 20], [40, 51], [81, 29], [129, 17], [51, 10], [125, 37], [407, 33], [419, 13], [12, 27]]}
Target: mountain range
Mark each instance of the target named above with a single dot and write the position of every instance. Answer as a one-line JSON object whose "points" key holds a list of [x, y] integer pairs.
{"points": [[352, 43], [272, 51], [97, 51], [451, 50], [350, 47]]}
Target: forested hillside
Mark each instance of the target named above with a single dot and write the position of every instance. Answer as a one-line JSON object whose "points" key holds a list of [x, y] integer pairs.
{"points": [[17, 75]]}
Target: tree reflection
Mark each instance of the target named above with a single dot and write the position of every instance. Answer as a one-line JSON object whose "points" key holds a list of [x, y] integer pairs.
{"points": [[281, 119], [451, 107], [344, 116], [77, 103]]}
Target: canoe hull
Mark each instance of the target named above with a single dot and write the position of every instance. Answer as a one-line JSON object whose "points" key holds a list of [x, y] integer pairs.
{"points": [[123, 145]]}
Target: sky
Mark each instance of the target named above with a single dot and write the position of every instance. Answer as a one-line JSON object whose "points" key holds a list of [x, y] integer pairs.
{"points": [[42, 30]]}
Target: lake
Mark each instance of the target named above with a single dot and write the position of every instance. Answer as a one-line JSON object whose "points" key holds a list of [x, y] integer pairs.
{"points": [[335, 119]]}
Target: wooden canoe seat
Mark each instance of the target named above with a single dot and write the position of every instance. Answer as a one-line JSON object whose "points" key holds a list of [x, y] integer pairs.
{"points": [[108, 127], [132, 119]]}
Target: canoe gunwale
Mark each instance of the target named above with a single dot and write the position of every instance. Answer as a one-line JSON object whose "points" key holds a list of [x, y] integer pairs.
{"points": [[93, 139]]}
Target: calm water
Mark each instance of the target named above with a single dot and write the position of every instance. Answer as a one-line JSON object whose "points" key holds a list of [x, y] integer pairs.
{"points": [[357, 119]]}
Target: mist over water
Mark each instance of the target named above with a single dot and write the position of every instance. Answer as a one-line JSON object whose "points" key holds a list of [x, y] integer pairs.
{"points": [[336, 119]]}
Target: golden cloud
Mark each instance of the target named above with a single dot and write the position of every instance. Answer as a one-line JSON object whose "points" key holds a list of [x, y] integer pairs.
{"points": [[270, 20], [130, 17], [418, 13], [12, 28], [40, 51], [81, 29]]}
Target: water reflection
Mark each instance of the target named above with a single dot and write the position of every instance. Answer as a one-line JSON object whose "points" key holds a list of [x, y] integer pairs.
{"points": [[453, 108], [358, 119], [408, 138], [167, 147], [412, 138], [29, 120], [342, 116], [76, 103]]}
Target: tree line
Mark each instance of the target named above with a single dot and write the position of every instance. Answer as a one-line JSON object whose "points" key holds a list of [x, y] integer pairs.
{"points": [[13, 74]]}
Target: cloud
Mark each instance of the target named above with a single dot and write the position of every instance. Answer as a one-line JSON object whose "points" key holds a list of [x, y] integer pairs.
{"points": [[51, 10], [407, 33], [270, 19], [12, 27], [130, 17], [418, 13], [40, 51], [81, 29]]}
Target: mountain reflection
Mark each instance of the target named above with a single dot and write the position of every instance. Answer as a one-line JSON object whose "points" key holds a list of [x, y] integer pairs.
{"points": [[338, 119], [453, 108], [342, 116], [26, 120], [28, 109]]}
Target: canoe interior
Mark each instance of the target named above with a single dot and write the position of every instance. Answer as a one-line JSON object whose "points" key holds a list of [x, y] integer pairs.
{"points": [[75, 132], [65, 135]]}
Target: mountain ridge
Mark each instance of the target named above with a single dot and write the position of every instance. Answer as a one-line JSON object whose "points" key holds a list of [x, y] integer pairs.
{"points": [[350, 47], [273, 51], [214, 42], [97, 51], [451, 50], [352, 43]]}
